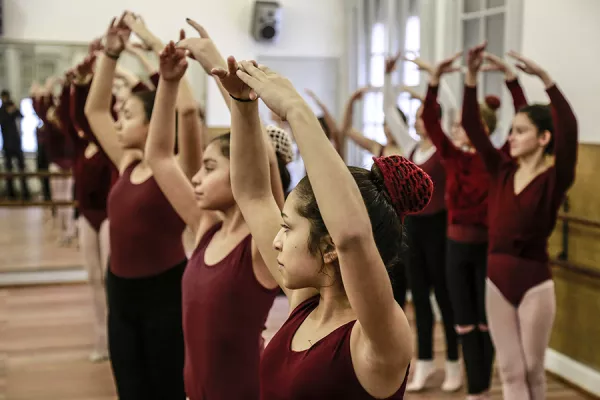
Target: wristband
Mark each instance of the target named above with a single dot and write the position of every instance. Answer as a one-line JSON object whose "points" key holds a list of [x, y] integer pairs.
{"points": [[241, 100], [110, 55]]}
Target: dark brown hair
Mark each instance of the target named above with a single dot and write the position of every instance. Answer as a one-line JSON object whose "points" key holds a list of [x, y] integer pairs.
{"points": [[386, 224], [147, 98], [488, 112], [540, 116]]}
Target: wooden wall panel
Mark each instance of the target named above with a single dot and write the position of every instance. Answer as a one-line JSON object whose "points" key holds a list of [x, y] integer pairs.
{"points": [[577, 326]]}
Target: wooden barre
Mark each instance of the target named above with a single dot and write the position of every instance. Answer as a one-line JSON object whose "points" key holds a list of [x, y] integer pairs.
{"points": [[19, 204], [579, 221], [36, 174], [576, 268]]}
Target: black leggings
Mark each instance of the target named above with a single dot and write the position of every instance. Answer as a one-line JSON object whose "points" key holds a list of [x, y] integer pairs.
{"points": [[145, 335], [426, 238], [466, 273]]}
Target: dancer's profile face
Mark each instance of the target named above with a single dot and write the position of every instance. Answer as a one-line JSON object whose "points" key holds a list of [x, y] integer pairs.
{"points": [[419, 124], [212, 184], [524, 138], [132, 126], [298, 267]]}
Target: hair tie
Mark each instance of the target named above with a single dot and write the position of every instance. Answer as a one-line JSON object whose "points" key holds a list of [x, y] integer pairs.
{"points": [[408, 186]]}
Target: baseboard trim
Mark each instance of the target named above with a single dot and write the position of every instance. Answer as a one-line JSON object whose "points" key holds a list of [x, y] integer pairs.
{"points": [[580, 375], [42, 277]]}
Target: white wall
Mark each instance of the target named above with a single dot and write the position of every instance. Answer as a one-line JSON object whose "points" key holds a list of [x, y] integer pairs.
{"points": [[563, 37], [310, 27]]}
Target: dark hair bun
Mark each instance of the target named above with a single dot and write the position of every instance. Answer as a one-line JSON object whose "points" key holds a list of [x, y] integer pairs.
{"points": [[407, 185], [493, 102]]}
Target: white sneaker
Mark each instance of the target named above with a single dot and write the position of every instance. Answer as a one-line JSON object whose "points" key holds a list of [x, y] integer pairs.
{"points": [[98, 357], [423, 370], [453, 379]]}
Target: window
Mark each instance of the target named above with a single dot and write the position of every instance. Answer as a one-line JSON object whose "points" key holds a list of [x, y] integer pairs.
{"points": [[485, 20], [373, 116]]}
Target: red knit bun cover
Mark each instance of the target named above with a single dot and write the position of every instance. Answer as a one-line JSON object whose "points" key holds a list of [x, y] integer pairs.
{"points": [[408, 186]]}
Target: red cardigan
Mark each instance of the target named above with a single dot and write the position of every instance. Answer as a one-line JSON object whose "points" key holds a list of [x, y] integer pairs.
{"points": [[521, 224]]}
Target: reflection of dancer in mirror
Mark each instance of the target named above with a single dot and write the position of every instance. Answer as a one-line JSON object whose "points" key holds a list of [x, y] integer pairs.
{"points": [[346, 336], [528, 190], [12, 150]]}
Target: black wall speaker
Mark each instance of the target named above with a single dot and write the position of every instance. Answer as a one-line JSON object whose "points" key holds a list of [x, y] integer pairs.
{"points": [[266, 21]]}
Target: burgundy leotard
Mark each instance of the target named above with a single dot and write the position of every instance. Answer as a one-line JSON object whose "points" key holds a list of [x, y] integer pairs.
{"points": [[323, 372], [224, 313], [145, 230], [521, 224]]}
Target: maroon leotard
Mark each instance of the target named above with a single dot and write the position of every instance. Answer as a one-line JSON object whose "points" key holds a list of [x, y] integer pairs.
{"points": [[145, 230], [322, 372], [93, 176], [224, 313], [521, 224]]}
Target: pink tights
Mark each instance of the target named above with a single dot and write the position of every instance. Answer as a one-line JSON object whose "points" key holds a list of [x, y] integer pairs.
{"points": [[521, 336]]}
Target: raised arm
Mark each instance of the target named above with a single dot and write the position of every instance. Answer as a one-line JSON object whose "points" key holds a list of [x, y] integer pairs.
{"points": [[161, 140], [140, 55], [251, 174], [189, 127], [98, 104], [394, 120], [431, 116], [204, 50], [330, 123], [346, 130], [471, 114], [383, 329]]}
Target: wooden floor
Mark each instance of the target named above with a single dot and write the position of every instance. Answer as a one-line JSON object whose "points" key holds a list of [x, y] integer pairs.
{"points": [[46, 336], [46, 331], [29, 242]]}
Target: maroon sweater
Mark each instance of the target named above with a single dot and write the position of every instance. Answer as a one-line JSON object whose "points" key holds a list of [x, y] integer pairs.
{"points": [[436, 171], [467, 181], [520, 224]]}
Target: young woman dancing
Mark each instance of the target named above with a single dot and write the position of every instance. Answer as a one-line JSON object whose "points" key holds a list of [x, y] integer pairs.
{"points": [[426, 238], [467, 184], [147, 258], [93, 174], [327, 249], [227, 289], [527, 190]]}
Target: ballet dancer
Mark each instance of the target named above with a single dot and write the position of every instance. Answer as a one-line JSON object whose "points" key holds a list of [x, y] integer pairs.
{"points": [[467, 184], [527, 190], [60, 158], [227, 289], [328, 247], [147, 258], [93, 174], [426, 239]]}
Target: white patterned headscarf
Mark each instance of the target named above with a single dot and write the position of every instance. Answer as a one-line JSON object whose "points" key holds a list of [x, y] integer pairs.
{"points": [[281, 142]]}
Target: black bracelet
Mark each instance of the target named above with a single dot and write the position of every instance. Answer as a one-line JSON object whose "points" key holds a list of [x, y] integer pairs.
{"points": [[241, 100], [113, 56]]}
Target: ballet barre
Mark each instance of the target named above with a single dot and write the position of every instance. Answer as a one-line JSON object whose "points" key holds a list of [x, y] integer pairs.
{"points": [[36, 174], [562, 259], [29, 203], [579, 221]]}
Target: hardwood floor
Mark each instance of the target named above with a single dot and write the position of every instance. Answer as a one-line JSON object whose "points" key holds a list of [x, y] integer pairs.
{"points": [[46, 336], [29, 242]]}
